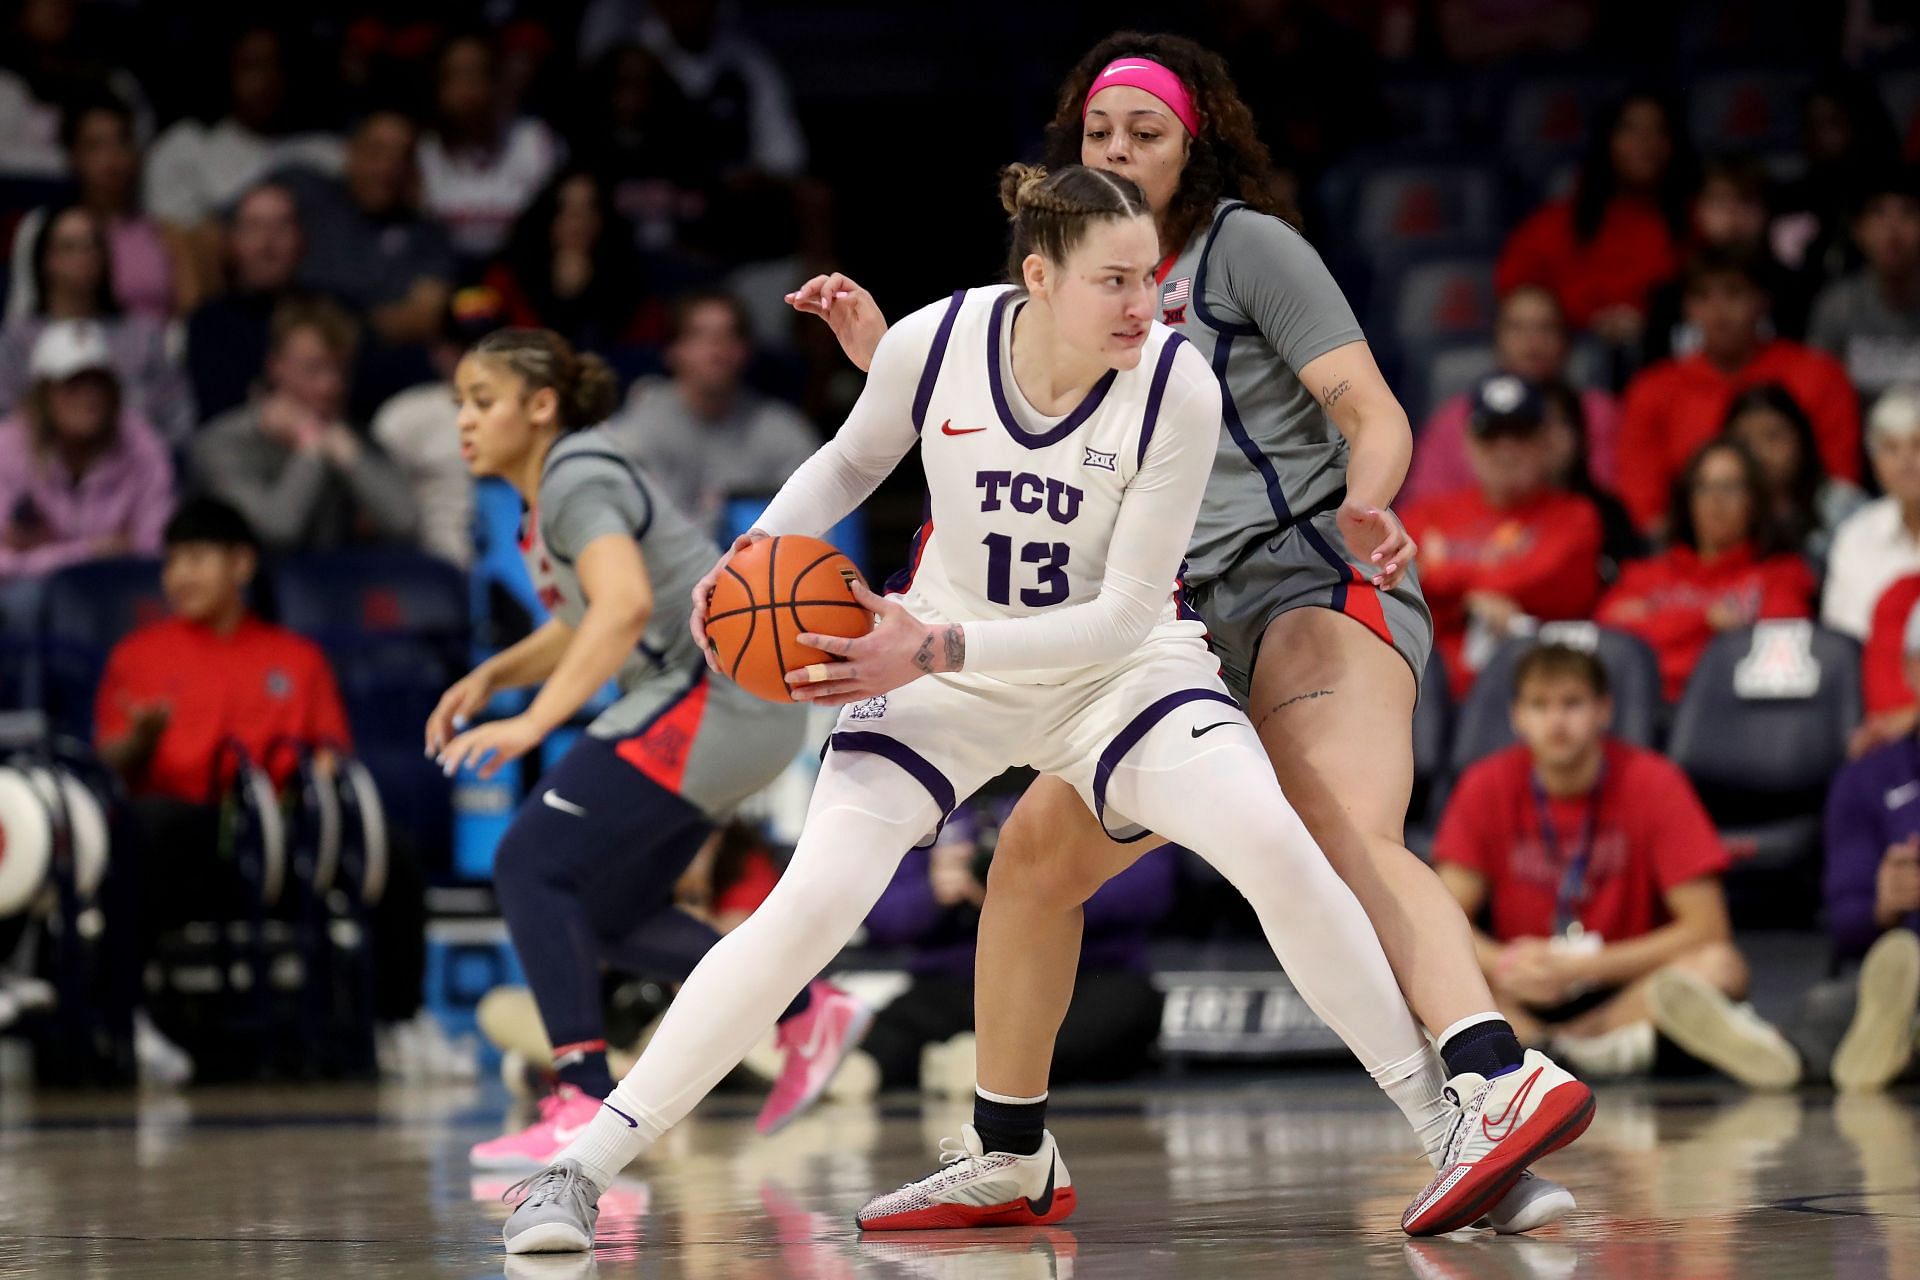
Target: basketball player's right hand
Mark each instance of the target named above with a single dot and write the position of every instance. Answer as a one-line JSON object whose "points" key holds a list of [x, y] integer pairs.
{"points": [[457, 707], [849, 310], [697, 616]]}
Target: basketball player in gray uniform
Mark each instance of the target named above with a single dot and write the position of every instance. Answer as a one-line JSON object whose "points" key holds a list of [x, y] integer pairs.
{"points": [[1305, 580], [587, 869]]}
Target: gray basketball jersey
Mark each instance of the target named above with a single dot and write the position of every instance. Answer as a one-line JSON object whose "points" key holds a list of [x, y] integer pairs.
{"points": [[588, 489], [1255, 298]]}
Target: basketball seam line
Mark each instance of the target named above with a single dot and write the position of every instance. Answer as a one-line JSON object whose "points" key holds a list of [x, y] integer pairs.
{"points": [[733, 673], [794, 606]]}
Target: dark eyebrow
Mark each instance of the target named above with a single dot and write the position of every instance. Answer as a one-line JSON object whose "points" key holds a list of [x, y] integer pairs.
{"points": [[1137, 111]]}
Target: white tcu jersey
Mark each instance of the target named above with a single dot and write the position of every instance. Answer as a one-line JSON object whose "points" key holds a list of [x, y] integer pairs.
{"points": [[1020, 523]]}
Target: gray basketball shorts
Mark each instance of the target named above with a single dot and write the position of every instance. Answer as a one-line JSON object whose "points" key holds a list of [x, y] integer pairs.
{"points": [[1306, 567]]}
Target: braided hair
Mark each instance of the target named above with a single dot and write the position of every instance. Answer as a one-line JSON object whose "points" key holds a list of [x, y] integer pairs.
{"points": [[1052, 211]]}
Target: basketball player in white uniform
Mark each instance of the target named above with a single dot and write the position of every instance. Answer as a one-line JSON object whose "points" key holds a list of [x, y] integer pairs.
{"points": [[1067, 441]]}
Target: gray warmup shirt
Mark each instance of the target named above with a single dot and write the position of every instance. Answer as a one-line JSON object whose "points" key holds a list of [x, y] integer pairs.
{"points": [[1258, 302], [708, 740]]}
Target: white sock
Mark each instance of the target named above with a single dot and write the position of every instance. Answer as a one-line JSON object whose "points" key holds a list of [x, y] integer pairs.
{"points": [[610, 1144], [1414, 1085]]}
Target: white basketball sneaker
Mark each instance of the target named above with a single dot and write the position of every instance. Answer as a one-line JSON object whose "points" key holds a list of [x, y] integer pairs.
{"points": [[1505, 1124], [977, 1188]]}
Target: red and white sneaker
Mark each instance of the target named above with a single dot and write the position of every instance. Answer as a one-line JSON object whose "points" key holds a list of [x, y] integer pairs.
{"points": [[563, 1117], [814, 1045], [1505, 1124], [977, 1188]]}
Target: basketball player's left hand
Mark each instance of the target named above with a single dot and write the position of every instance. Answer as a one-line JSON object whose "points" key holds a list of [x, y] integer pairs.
{"points": [[899, 650], [489, 746], [1376, 536]]}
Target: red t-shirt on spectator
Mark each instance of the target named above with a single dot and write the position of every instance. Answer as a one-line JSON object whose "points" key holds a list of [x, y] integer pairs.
{"points": [[1883, 664], [257, 685], [1543, 554], [1665, 601], [1650, 834], [1630, 253], [1674, 407]]}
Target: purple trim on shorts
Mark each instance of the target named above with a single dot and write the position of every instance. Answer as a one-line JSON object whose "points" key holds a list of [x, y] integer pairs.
{"points": [[1068, 425], [1129, 737], [935, 355], [922, 769], [1156, 391]]}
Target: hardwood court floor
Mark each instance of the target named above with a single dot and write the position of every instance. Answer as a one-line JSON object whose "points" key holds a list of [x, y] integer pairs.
{"points": [[1296, 1175]]}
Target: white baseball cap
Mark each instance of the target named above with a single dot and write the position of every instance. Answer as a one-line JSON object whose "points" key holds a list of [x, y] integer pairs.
{"points": [[69, 347]]}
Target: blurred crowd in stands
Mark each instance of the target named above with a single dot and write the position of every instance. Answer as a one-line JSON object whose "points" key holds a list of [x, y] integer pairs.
{"points": [[1647, 279]]}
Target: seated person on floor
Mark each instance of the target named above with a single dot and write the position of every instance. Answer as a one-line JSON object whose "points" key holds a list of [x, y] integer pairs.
{"points": [[175, 690], [1594, 867]]}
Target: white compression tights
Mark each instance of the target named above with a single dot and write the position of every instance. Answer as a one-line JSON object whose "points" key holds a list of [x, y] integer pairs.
{"points": [[1222, 803]]}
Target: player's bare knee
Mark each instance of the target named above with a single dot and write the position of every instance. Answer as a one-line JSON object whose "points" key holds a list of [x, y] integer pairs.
{"points": [[1037, 862]]}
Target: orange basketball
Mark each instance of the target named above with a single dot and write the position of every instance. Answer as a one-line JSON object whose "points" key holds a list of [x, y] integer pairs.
{"points": [[766, 596]]}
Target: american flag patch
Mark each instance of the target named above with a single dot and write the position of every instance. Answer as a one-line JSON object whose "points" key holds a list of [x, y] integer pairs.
{"points": [[1177, 292]]}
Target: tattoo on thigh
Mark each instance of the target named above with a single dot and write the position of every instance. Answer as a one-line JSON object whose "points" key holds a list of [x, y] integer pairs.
{"points": [[1298, 697]]}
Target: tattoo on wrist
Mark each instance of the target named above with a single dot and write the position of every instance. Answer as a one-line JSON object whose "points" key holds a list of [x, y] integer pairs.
{"points": [[956, 647], [1328, 395], [923, 656]]}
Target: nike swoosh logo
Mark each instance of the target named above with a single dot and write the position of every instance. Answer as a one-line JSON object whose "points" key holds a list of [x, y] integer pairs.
{"points": [[1127, 66], [631, 1122], [1039, 1205], [1510, 1114], [816, 1038], [947, 429], [568, 1135], [552, 801], [1210, 728], [1902, 794]]}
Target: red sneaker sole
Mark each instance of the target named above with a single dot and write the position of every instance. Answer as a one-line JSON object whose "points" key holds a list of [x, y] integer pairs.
{"points": [[1564, 1115], [949, 1217]]}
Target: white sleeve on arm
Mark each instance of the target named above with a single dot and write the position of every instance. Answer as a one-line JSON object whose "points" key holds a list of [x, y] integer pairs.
{"points": [[878, 433], [1150, 538]]}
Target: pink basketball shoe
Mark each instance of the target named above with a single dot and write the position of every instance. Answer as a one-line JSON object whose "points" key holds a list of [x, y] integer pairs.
{"points": [[815, 1043], [563, 1117]]}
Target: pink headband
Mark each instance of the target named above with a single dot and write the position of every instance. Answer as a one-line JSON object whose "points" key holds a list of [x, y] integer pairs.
{"points": [[1146, 74]]}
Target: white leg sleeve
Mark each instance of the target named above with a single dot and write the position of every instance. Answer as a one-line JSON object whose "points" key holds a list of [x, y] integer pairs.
{"points": [[864, 816], [1224, 804]]}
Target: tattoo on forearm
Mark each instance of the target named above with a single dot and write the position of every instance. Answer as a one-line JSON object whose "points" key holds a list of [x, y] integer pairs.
{"points": [[956, 647], [923, 656], [1328, 395], [1299, 697]]}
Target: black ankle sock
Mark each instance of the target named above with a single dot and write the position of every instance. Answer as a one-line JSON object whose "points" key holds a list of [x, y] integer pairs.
{"points": [[584, 1066], [1486, 1048], [1013, 1127]]}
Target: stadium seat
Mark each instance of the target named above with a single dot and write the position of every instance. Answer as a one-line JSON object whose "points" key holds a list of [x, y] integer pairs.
{"points": [[1756, 109], [1431, 373], [1401, 203], [1544, 120], [395, 626], [1432, 295], [20, 644], [1484, 724], [1761, 730], [86, 610]]}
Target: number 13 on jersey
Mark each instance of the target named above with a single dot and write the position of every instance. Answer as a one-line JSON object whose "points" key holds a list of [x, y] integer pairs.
{"points": [[1051, 557]]}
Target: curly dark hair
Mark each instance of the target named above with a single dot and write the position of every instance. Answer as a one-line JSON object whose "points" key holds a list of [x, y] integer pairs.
{"points": [[1802, 517], [1227, 158]]}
